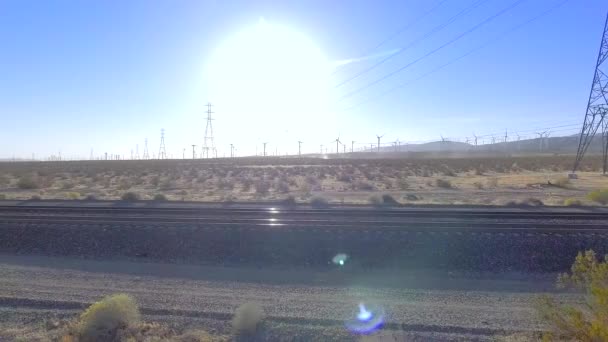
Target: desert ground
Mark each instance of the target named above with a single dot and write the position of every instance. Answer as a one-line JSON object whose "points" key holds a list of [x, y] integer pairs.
{"points": [[533, 180]]}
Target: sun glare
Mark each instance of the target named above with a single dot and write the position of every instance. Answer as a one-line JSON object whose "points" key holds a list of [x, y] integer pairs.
{"points": [[272, 72]]}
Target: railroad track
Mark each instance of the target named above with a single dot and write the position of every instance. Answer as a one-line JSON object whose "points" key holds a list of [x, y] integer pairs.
{"points": [[339, 219]]}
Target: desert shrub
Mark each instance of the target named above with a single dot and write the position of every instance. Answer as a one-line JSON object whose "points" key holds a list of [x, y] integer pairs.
{"points": [[282, 186], [562, 182], [403, 184], [102, 320], [449, 172], [585, 322], [343, 177], [290, 200], [27, 182], [572, 202], [130, 196], [389, 200], [411, 197], [479, 170], [492, 182], [160, 197], [262, 187], [319, 202], [90, 197], [364, 186], [375, 201], [124, 185], [225, 184], [246, 183], [67, 185], [531, 202], [443, 183], [247, 318], [478, 185], [2, 197], [598, 196], [73, 195], [35, 198]]}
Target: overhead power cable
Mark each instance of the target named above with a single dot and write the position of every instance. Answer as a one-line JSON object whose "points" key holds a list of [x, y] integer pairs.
{"points": [[416, 41], [453, 40], [470, 52]]}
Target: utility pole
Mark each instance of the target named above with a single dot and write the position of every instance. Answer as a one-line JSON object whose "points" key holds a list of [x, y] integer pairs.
{"points": [[597, 107], [379, 136], [264, 149], [193, 152], [540, 140], [299, 148], [106, 155], [506, 136], [231, 151], [352, 146], [344, 148], [184, 153]]}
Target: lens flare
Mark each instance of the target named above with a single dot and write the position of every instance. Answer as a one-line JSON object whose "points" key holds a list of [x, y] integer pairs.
{"points": [[340, 259], [368, 319]]}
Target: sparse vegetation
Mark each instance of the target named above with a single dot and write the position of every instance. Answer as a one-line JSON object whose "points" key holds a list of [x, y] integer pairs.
{"points": [[319, 202], [102, 320], [587, 322], [130, 197], [442, 183], [160, 198], [572, 202], [598, 196], [26, 183], [340, 180], [247, 319]]}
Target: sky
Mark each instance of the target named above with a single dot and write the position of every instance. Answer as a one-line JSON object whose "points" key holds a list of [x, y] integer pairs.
{"points": [[103, 76]]}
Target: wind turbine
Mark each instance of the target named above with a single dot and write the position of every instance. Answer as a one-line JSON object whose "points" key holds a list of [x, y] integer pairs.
{"points": [[337, 142], [379, 136]]}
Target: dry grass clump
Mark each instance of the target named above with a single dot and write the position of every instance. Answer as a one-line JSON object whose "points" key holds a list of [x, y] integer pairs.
{"points": [[247, 319]]}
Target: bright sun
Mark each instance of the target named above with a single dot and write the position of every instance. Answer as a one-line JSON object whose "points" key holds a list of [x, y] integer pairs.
{"points": [[273, 74]]}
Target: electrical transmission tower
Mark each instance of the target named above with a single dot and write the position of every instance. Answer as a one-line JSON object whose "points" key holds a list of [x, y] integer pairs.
{"points": [[208, 143], [597, 106], [146, 155], [162, 152]]}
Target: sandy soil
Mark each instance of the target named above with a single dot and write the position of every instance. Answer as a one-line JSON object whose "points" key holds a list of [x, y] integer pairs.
{"points": [[316, 305]]}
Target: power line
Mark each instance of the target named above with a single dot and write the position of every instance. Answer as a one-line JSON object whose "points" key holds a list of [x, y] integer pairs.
{"points": [[470, 52], [416, 41], [453, 40]]}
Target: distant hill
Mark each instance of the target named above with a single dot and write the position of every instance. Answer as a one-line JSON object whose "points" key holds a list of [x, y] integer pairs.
{"points": [[564, 145]]}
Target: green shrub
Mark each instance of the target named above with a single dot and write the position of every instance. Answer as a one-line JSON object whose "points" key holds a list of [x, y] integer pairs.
{"points": [[571, 202], [72, 195], [583, 322], [599, 196], [247, 318], [27, 182], [102, 320], [442, 183], [130, 196], [160, 197]]}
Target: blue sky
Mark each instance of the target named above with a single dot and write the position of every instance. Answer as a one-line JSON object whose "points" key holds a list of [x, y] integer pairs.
{"points": [[105, 75]]}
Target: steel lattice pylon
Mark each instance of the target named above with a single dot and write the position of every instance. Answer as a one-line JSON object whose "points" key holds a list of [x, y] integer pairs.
{"points": [[208, 143], [597, 107]]}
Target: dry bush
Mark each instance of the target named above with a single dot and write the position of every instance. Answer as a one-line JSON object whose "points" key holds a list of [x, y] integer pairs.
{"points": [[572, 202], [262, 187], [478, 185], [160, 198], [443, 183], [72, 195], [67, 185], [225, 184], [587, 322], [385, 200], [2, 197], [102, 320], [598, 196], [130, 196], [363, 186], [492, 183], [281, 186], [319, 202], [247, 318], [27, 183], [403, 184], [562, 182]]}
